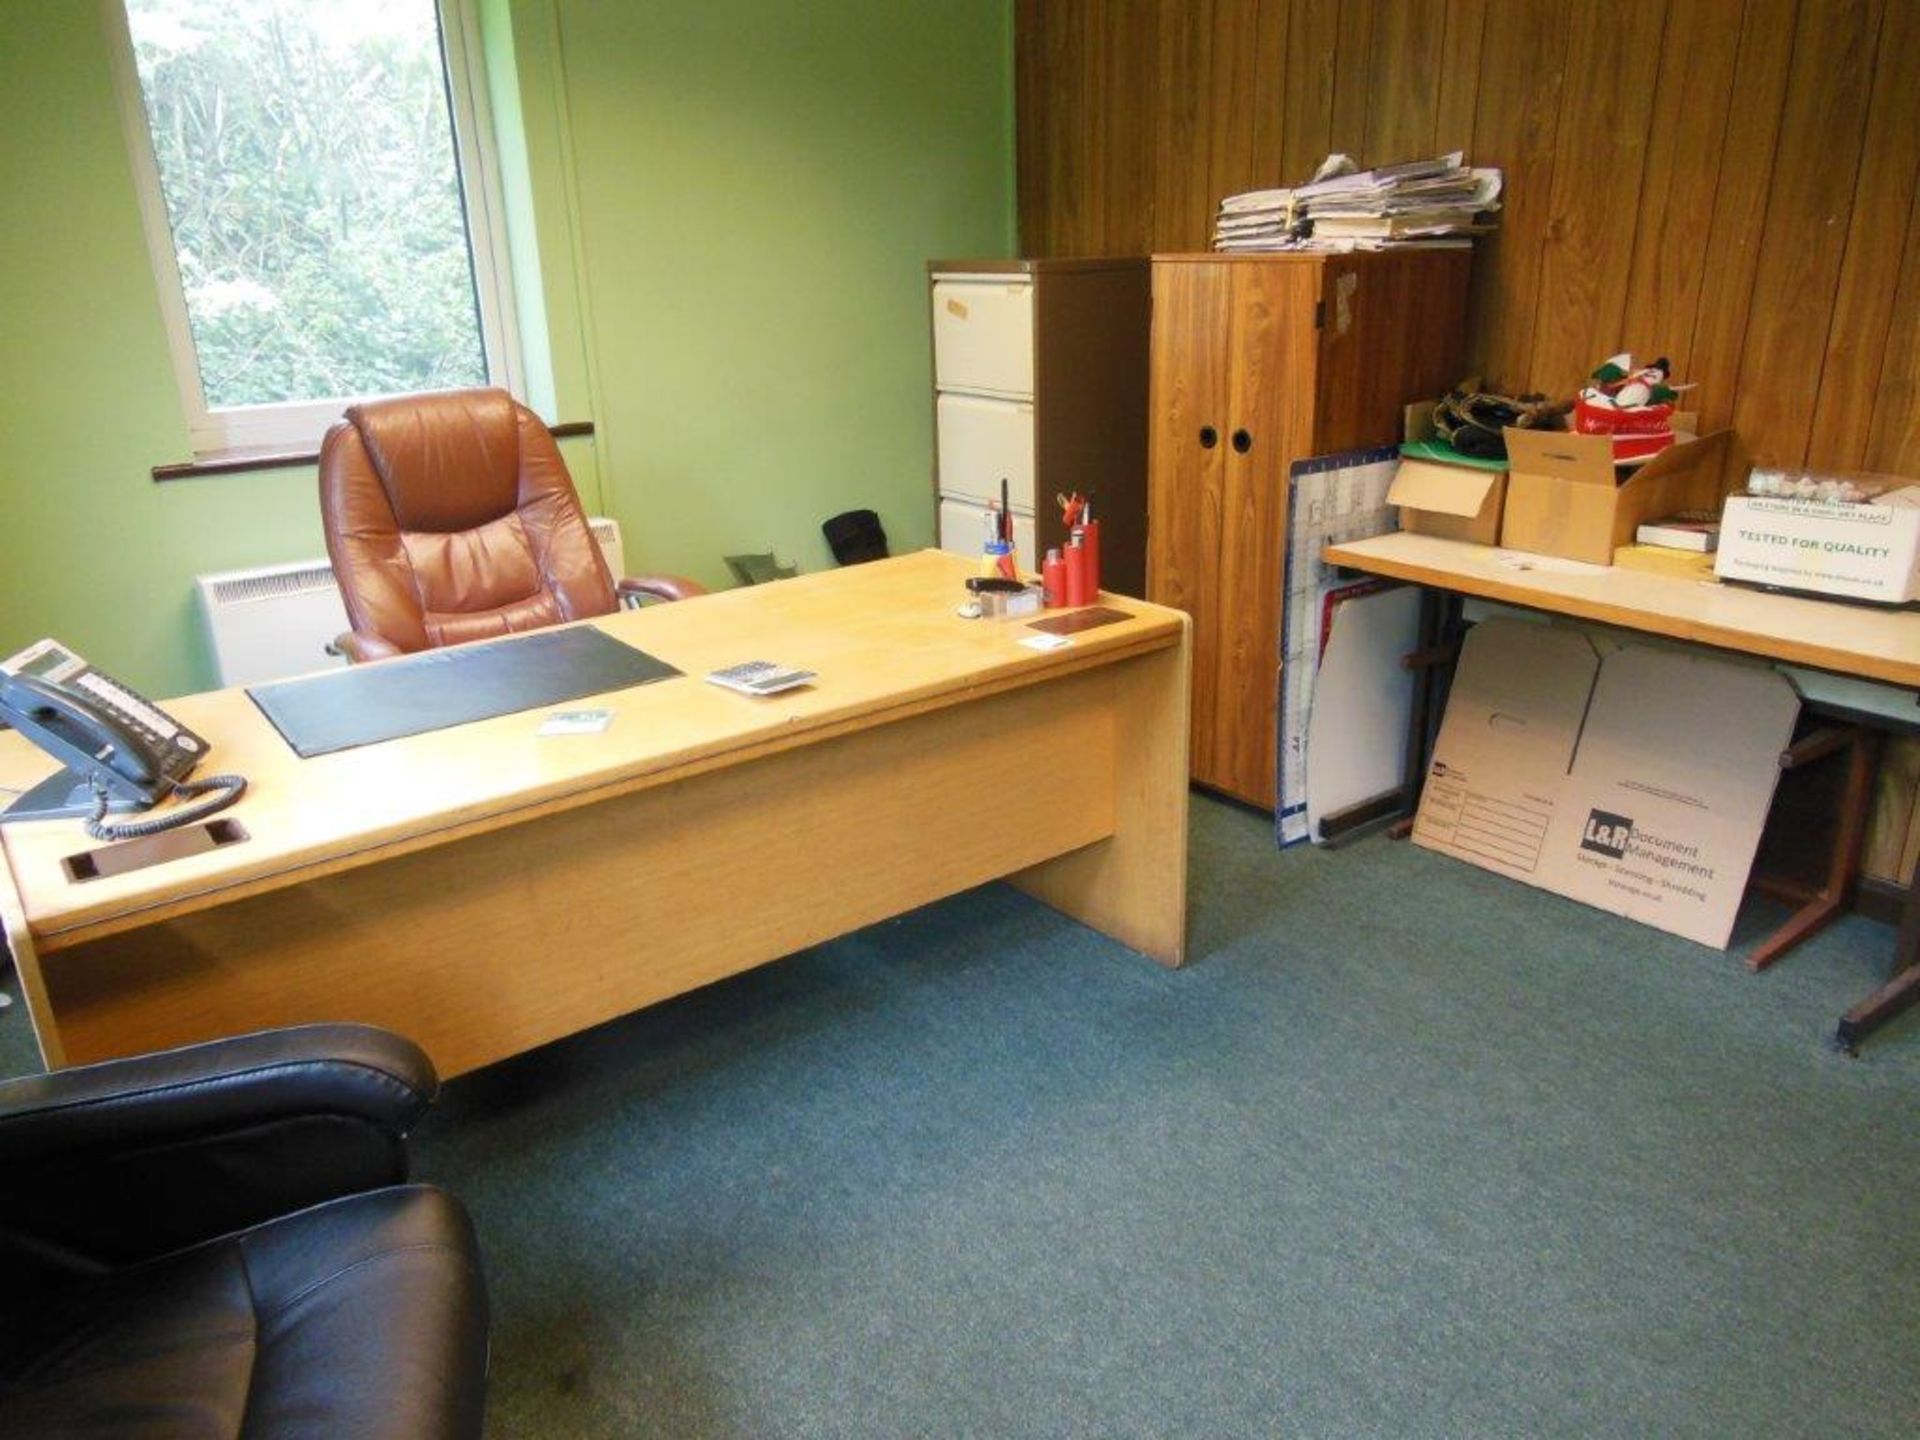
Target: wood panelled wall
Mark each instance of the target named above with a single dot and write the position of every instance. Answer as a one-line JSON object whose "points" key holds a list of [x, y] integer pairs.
{"points": [[1730, 183], [1726, 182]]}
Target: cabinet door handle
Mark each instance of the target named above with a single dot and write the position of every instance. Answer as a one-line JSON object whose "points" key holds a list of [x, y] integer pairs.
{"points": [[1242, 441], [1209, 437]]}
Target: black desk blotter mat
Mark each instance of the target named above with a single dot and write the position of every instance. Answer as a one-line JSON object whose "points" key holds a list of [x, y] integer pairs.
{"points": [[366, 704]]}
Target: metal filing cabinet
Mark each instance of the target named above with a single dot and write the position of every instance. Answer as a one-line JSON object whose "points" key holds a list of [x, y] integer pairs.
{"points": [[1040, 378]]}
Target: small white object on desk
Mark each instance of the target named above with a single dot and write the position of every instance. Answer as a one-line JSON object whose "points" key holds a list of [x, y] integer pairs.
{"points": [[575, 722], [1046, 642]]}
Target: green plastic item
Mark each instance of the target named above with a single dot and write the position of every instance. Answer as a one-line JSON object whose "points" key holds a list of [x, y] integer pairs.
{"points": [[758, 569], [1445, 454]]}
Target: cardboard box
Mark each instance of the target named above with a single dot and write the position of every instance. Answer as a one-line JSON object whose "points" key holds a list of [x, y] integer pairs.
{"points": [[1637, 782], [1862, 552], [1565, 498], [1454, 501]]}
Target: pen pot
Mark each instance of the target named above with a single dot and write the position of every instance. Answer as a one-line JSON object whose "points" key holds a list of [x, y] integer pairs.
{"points": [[1078, 591], [1053, 578]]}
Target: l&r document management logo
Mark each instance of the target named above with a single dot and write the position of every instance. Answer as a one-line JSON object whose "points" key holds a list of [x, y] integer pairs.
{"points": [[1607, 834]]}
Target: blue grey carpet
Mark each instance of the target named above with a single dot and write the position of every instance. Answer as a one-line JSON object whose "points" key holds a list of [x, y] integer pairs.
{"points": [[1408, 1150]]}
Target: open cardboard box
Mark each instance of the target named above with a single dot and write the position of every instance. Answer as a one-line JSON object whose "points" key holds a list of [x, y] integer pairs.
{"points": [[1636, 780], [1565, 498], [1453, 501]]}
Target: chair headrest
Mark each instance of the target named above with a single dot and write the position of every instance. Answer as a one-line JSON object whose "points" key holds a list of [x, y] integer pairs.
{"points": [[449, 461]]}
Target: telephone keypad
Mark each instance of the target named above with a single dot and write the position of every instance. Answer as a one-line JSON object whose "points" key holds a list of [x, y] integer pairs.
{"points": [[154, 725], [148, 721]]}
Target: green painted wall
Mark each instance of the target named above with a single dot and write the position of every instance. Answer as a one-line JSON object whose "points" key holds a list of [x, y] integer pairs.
{"points": [[91, 549], [732, 200], [758, 187]]}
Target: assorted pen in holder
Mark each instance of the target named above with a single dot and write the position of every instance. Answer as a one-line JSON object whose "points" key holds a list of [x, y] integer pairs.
{"points": [[997, 557], [1069, 573]]}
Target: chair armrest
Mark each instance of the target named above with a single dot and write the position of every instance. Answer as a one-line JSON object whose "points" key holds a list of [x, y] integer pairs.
{"points": [[105, 1164], [360, 646], [660, 587]]}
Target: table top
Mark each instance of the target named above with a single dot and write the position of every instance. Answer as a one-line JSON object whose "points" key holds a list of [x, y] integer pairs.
{"points": [[1871, 641], [884, 638]]}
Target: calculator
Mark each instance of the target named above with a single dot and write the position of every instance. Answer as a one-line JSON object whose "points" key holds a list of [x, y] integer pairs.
{"points": [[760, 677]]}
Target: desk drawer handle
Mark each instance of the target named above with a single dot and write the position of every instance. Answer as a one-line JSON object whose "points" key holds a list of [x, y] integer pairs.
{"points": [[1209, 437], [1242, 442]]}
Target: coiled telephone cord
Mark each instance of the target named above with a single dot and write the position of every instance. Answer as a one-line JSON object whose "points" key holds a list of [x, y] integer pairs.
{"points": [[221, 791]]}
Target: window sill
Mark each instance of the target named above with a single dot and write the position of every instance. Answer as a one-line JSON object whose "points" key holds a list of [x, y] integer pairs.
{"points": [[286, 457]]}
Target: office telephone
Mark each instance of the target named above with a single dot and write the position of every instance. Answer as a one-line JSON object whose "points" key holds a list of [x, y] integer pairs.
{"points": [[124, 750]]}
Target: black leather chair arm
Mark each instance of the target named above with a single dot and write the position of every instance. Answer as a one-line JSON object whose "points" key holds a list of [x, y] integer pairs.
{"points": [[110, 1163]]}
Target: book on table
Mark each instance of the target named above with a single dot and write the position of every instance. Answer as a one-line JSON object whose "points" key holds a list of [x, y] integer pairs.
{"points": [[1690, 530]]}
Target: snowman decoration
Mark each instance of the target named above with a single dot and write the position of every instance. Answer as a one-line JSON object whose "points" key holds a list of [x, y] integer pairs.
{"points": [[1632, 403]]}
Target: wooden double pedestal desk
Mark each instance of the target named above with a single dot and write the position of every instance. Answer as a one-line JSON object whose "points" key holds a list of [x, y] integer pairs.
{"points": [[485, 889]]}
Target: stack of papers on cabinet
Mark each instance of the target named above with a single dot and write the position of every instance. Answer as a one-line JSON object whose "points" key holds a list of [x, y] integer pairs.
{"points": [[1257, 220], [1422, 204]]}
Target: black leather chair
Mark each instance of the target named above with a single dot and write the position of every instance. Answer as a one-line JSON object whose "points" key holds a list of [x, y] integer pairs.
{"points": [[217, 1242]]}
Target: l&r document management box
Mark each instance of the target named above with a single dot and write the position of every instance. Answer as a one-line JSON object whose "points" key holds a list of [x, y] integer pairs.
{"points": [[1637, 781]]}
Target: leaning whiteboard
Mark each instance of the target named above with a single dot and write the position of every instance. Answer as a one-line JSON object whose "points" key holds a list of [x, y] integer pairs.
{"points": [[1331, 499]]}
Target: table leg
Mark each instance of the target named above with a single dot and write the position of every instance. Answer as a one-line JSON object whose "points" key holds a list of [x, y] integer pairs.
{"points": [[1898, 993], [1133, 884], [26, 964], [1438, 647], [1843, 862]]}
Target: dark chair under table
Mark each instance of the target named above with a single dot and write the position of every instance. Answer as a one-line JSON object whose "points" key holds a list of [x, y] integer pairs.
{"points": [[219, 1242]]}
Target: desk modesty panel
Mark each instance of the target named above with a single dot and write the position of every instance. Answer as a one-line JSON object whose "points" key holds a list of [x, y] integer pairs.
{"points": [[485, 889]]}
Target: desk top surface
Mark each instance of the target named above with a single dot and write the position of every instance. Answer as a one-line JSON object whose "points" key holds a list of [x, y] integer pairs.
{"points": [[1873, 642], [884, 638]]}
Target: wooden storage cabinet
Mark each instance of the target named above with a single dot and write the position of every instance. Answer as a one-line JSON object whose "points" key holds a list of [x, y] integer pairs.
{"points": [[1040, 377], [1259, 361]]}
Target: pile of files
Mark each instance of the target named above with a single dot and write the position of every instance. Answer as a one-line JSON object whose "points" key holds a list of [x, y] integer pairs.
{"points": [[1423, 204], [1257, 220]]}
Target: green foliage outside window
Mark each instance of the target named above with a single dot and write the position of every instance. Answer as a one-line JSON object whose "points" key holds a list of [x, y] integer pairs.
{"points": [[305, 152]]}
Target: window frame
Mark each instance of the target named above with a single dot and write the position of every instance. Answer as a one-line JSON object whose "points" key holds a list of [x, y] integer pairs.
{"points": [[214, 431]]}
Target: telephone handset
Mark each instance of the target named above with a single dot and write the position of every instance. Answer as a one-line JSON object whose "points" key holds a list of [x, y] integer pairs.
{"points": [[125, 748]]}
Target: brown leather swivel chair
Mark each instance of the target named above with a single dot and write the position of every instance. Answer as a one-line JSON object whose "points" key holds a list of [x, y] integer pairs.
{"points": [[451, 517]]}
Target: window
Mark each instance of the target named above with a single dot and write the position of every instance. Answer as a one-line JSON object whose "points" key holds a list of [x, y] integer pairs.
{"points": [[317, 198]]}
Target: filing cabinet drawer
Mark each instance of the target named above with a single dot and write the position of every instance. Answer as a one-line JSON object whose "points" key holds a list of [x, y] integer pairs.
{"points": [[963, 531], [983, 335], [981, 441]]}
